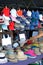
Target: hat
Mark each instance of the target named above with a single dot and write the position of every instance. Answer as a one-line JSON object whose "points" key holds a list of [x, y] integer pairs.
{"points": [[11, 55], [37, 51], [41, 49], [21, 55], [35, 44], [30, 53], [3, 59], [13, 60], [41, 44]]}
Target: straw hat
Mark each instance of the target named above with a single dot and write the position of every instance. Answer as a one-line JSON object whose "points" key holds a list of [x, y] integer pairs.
{"points": [[41, 44], [37, 51], [11, 55], [41, 49], [20, 55], [13, 60]]}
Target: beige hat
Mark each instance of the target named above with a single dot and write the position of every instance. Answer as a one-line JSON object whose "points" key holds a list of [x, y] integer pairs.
{"points": [[13, 60], [21, 55], [41, 49], [41, 44], [37, 51], [11, 56]]}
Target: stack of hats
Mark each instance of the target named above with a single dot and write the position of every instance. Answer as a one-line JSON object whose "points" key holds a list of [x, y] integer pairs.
{"points": [[41, 47], [36, 48], [20, 55], [35, 44], [3, 59], [10, 54], [37, 51]]}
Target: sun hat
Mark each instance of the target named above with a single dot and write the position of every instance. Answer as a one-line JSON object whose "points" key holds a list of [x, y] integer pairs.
{"points": [[30, 53], [20, 55], [11, 55], [37, 51], [40, 44], [3, 58], [41, 49]]}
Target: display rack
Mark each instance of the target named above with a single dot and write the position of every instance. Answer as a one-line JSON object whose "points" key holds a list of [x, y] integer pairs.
{"points": [[26, 62]]}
